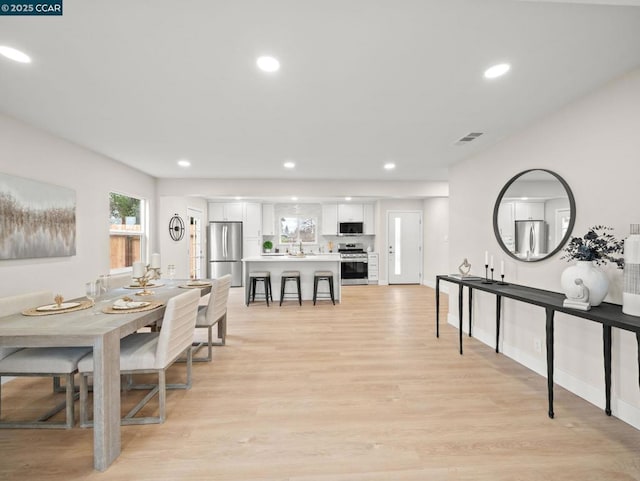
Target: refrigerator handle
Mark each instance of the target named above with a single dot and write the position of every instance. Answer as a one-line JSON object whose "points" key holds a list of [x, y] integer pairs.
{"points": [[224, 241], [532, 239]]}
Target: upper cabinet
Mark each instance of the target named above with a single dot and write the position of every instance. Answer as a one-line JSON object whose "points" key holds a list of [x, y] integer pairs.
{"points": [[529, 210], [329, 219], [268, 219], [252, 219], [249, 213], [225, 211], [369, 219], [350, 213]]}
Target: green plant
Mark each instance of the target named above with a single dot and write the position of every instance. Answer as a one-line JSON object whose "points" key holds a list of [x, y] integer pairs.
{"points": [[267, 245], [596, 245]]}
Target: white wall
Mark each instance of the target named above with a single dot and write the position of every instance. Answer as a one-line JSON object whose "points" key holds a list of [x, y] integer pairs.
{"points": [[28, 152], [594, 145], [436, 240]]}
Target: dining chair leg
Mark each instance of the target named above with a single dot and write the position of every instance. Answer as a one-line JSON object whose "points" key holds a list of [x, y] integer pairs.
{"points": [[70, 394], [162, 390], [84, 395]]}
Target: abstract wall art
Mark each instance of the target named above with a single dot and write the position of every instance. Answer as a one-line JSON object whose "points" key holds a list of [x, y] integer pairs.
{"points": [[37, 219]]}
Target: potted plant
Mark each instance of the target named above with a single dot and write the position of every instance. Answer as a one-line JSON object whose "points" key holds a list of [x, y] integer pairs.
{"points": [[267, 246], [595, 248]]}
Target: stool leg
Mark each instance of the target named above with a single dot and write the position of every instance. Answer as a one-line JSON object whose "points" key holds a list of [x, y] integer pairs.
{"points": [[299, 290], [330, 279], [253, 288], [283, 281], [266, 282], [270, 290], [315, 289], [248, 292]]}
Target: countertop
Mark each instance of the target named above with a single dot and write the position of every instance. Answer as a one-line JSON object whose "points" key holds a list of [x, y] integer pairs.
{"points": [[288, 258]]}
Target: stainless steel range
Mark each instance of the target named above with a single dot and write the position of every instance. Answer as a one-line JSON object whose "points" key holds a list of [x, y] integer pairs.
{"points": [[353, 264]]}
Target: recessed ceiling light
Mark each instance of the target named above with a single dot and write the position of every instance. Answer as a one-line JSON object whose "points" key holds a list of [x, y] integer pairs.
{"points": [[184, 163], [497, 70], [347, 198], [294, 198], [289, 165], [389, 166], [268, 64], [14, 54]]}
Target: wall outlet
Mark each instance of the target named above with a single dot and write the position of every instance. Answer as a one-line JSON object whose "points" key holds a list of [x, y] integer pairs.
{"points": [[537, 344]]}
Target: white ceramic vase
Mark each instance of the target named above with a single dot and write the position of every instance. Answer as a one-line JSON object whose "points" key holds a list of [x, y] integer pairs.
{"points": [[593, 278]]}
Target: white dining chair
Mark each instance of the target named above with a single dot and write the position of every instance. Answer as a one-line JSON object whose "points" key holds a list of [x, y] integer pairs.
{"points": [[117, 281], [214, 313], [151, 352], [39, 362]]}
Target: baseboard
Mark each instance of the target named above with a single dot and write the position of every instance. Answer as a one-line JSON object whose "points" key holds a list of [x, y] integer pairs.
{"points": [[383, 282], [594, 394], [444, 286]]}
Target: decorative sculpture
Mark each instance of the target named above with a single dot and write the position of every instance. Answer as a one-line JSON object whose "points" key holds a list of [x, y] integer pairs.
{"points": [[578, 297], [464, 268]]}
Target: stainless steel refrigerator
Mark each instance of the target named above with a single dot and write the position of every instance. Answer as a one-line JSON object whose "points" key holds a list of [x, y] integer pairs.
{"points": [[225, 251], [531, 238]]}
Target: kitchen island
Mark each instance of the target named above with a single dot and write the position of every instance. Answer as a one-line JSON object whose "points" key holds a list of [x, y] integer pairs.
{"points": [[307, 265]]}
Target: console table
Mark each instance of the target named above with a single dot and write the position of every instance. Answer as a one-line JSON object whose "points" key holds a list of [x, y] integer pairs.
{"points": [[607, 314]]}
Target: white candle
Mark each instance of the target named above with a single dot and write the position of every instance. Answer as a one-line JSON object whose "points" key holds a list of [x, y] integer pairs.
{"points": [[138, 270], [155, 261], [486, 258], [491, 265], [502, 268]]}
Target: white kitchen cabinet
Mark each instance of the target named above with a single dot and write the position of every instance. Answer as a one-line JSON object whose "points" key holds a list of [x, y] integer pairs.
{"points": [[529, 211], [506, 225], [329, 219], [252, 220], [350, 213], [251, 247], [225, 211], [369, 219], [372, 267], [268, 219]]}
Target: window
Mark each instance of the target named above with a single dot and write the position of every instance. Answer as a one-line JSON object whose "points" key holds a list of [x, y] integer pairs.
{"points": [[126, 230], [298, 229]]}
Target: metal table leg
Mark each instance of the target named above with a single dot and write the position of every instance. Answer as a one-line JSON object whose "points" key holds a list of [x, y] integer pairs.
{"points": [[460, 315], [437, 307], [470, 307], [606, 340], [498, 313], [550, 313]]}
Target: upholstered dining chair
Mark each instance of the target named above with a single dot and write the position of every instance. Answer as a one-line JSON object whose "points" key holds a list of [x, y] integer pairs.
{"points": [[214, 312], [151, 352], [40, 362]]}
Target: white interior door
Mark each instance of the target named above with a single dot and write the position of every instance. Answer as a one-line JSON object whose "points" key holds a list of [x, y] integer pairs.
{"points": [[195, 244], [404, 234]]}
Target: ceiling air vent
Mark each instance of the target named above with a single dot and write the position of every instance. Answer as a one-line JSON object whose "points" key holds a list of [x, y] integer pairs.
{"points": [[468, 138]]}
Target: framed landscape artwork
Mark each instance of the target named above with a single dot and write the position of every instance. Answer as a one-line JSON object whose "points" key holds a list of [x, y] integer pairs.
{"points": [[37, 219]]}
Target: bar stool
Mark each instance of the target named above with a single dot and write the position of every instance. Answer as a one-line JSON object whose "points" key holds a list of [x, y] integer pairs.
{"points": [[265, 278], [290, 276], [323, 276]]}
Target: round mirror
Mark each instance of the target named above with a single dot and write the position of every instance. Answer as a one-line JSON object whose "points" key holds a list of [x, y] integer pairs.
{"points": [[534, 215]]}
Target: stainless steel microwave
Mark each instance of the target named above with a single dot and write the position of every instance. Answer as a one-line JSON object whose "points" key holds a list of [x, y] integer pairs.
{"points": [[350, 228]]}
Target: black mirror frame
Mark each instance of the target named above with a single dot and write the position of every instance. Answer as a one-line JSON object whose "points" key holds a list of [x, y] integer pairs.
{"points": [[572, 207]]}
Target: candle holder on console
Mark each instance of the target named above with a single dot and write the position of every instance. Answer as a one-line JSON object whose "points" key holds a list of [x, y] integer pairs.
{"points": [[150, 273], [486, 275], [501, 282]]}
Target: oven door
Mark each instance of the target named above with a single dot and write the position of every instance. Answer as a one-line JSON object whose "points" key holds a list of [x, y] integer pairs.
{"points": [[353, 271]]}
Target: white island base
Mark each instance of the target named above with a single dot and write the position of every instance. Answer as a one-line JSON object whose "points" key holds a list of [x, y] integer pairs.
{"points": [[307, 266]]}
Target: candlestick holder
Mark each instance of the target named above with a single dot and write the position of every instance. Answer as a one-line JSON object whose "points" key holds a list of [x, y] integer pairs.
{"points": [[501, 282], [150, 273], [492, 281], [486, 275]]}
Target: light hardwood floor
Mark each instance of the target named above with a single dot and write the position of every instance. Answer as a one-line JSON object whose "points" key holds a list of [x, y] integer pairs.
{"points": [[361, 391]]}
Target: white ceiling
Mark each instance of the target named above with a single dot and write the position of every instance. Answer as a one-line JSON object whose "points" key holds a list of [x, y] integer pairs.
{"points": [[362, 82]]}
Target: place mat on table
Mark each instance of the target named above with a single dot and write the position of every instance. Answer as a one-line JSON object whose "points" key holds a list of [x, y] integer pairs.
{"points": [[34, 312], [195, 285], [150, 307], [149, 286]]}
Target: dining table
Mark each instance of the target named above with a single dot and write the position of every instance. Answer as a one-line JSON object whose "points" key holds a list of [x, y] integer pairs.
{"points": [[102, 331]]}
